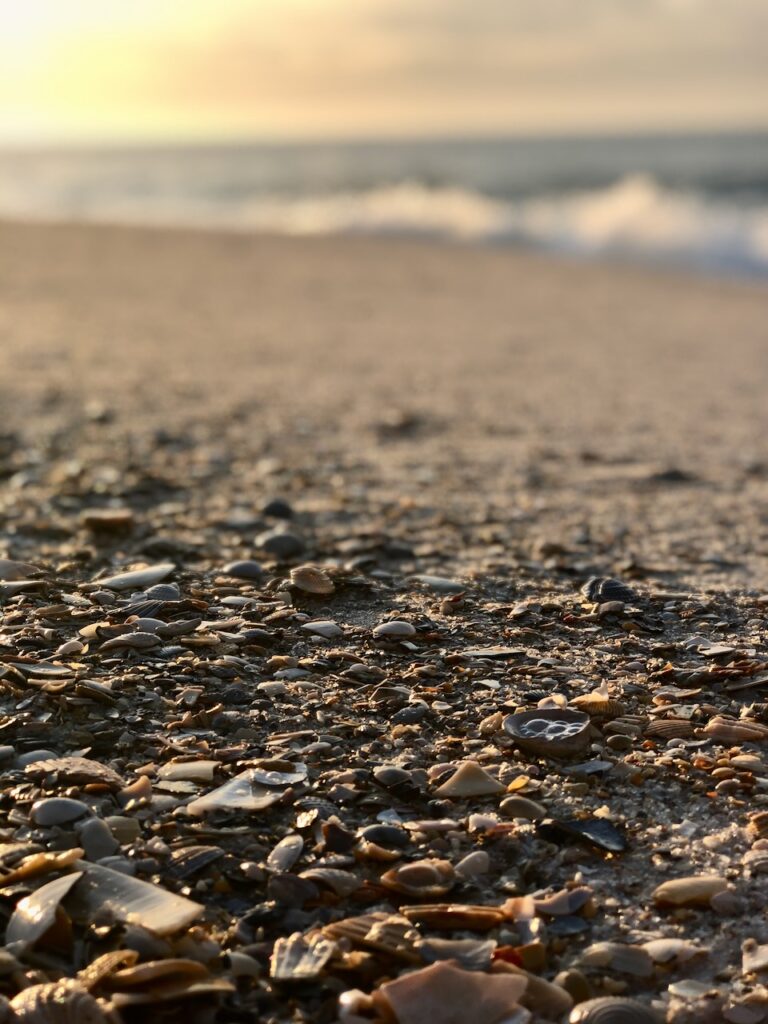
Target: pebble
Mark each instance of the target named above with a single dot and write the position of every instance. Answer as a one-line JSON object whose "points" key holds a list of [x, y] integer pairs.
{"points": [[281, 544], [522, 807], [323, 627], [57, 810], [277, 508], [394, 628], [96, 839], [440, 584], [245, 570]]}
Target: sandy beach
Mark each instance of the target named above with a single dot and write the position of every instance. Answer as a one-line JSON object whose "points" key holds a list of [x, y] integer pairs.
{"points": [[460, 438]]}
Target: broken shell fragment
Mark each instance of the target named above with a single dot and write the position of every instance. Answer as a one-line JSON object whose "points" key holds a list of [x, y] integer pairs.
{"points": [[552, 732], [10, 570], [451, 995], [299, 958], [137, 577], [36, 913], [612, 1010], [285, 853], [691, 891], [469, 780], [731, 730], [454, 916], [471, 954], [243, 793], [131, 900], [618, 956]]}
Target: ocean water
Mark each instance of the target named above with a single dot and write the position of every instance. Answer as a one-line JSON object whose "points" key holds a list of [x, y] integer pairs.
{"points": [[692, 200]]}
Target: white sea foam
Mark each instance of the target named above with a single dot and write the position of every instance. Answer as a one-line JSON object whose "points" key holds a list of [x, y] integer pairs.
{"points": [[635, 217]]}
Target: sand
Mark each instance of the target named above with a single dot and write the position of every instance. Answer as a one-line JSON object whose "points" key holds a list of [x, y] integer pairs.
{"points": [[507, 422]]}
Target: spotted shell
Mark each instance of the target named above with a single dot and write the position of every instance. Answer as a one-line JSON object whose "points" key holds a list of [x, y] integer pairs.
{"points": [[612, 1010], [60, 1002]]}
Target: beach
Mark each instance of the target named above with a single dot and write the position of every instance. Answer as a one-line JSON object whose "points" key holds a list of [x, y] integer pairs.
{"points": [[463, 436]]}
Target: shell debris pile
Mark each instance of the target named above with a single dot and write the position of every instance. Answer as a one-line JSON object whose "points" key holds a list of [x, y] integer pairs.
{"points": [[283, 747]]}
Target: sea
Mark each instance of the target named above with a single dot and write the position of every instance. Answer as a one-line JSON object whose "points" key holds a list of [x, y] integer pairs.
{"points": [[692, 200]]}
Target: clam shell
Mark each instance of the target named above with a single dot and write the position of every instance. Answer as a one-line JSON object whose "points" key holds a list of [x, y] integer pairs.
{"points": [[60, 1002], [396, 629], [612, 1010], [551, 732], [425, 878], [298, 958], [444, 992], [137, 577], [312, 579], [189, 860], [285, 853]]}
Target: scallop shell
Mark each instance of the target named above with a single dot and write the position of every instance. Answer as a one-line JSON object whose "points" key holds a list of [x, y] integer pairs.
{"points": [[552, 732], [598, 707], [60, 1002], [312, 579], [670, 729], [425, 878], [386, 933], [612, 1010], [298, 958]]}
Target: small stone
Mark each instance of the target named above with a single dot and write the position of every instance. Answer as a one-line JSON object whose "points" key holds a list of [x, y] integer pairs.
{"points": [[476, 863], [691, 891], [57, 810], [97, 839], [281, 544], [244, 570], [621, 744], [107, 520], [277, 508], [521, 807], [326, 628], [394, 629]]}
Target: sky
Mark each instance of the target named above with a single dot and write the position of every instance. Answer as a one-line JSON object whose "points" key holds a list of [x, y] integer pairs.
{"points": [[177, 70]]}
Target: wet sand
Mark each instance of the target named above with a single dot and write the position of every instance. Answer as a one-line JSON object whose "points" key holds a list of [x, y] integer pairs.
{"points": [[507, 422]]}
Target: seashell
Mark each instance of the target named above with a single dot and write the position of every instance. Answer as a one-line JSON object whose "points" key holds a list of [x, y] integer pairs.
{"points": [[76, 771], [190, 860], [188, 771], [475, 863], [312, 580], [144, 974], [693, 890], [104, 965], [326, 628], [343, 883], [242, 793], [455, 916], [444, 992], [589, 831], [754, 958], [677, 951], [137, 577], [10, 570], [59, 1002], [131, 900], [396, 629], [386, 933], [670, 729], [285, 853], [386, 836], [424, 878], [522, 807], [757, 826], [36, 913], [552, 732], [132, 641], [543, 997], [471, 954], [598, 706], [565, 902], [172, 990], [469, 780], [299, 958], [731, 730], [42, 864], [618, 956], [276, 772], [756, 861], [612, 1010], [600, 589]]}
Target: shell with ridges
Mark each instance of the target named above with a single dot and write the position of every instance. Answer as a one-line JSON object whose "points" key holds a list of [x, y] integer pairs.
{"points": [[312, 580], [300, 958], [612, 1010], [60, 1002]]}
